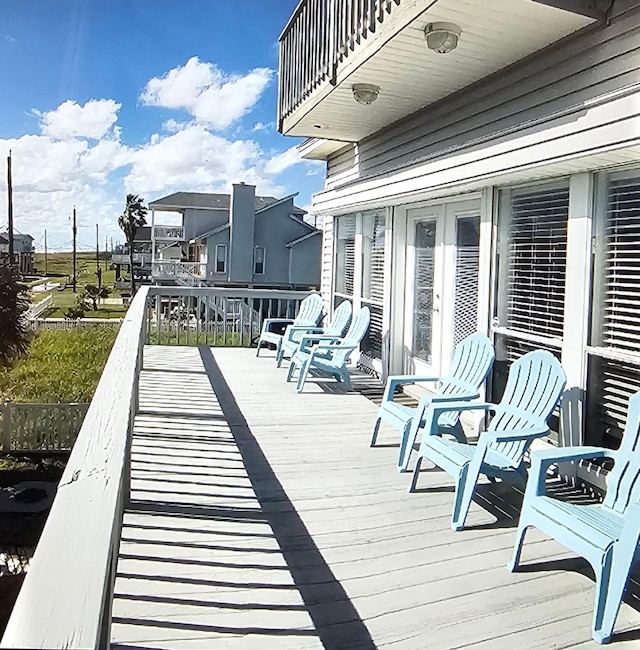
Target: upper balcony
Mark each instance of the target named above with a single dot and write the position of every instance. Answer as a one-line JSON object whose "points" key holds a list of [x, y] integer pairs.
{"points": [[328, 46], [168, 233]]}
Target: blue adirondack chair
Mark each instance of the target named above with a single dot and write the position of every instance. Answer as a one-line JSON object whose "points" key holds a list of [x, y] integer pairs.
{"points": [[329, 354], [309, 315], [534, 387], [607, 534], [294, 333], [471, 363]]}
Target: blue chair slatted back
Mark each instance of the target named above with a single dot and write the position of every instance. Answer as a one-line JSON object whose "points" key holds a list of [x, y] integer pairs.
{"points": [[534, 387], [623, 482], [358, 328], [340, 320], [310, 312], [471, 363]]}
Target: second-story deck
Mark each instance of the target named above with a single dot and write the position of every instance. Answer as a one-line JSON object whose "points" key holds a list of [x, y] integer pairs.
{"points": [[260, 518]]}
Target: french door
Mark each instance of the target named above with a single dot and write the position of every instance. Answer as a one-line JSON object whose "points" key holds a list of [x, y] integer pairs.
{"points": [[441, 283]]}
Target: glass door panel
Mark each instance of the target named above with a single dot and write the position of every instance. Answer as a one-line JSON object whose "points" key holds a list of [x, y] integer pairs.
{"points": [[423, 289]]}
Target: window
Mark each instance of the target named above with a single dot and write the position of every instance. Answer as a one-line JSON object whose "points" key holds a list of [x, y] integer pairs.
{"points": [[533, 259], [532, 263], [345, 238], [465, 309], [221, 258], [258, 260], [614, 353], [373, 240]]}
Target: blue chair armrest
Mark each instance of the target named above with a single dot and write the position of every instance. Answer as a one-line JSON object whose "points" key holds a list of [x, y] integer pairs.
{"points": [[541, 459], [307, 341], [515, 434], [394, 381], [273, 321]]}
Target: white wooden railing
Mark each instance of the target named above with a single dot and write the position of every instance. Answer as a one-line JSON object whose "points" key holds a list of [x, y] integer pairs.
{"points": [[168, 232], [124, 258], [38, 324], [189, 272], [65, 601], [40, 427], [318, 37], [66, 598]]}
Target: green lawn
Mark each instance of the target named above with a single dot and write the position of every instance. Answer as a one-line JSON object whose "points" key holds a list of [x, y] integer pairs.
{"points": [[60, 366], [60, 269]]}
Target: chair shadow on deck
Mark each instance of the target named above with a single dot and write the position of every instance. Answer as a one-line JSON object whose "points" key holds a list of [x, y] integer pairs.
{"points": [[336, 620]]}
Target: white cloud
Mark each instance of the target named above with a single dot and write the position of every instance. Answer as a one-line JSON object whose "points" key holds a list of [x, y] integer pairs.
{"points": [[282, 161], [209, 95], [195, 159], [259, 126], [70, 120]]}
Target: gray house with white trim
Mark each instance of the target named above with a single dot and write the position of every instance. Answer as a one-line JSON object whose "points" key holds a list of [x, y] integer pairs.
{"points": [[236, 240], [483, 174]]}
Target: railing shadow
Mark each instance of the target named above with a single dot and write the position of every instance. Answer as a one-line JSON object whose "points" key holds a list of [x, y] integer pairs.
{"points": [[337, 622]]}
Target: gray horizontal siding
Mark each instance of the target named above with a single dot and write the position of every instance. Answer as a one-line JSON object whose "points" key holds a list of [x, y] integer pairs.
{"points": [[556, 81]]}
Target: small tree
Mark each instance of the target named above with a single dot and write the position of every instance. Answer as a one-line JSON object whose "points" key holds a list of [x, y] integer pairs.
{"points": [[77, 310], [133, 217], [14, 329], [93, 293]]}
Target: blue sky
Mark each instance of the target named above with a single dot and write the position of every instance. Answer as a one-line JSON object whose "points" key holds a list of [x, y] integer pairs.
{"points": [[101, 98]]}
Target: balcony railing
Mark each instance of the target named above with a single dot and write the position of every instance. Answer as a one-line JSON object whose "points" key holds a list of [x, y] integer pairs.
{"points": [[66, 598], [138, 258], [317, 38], [186, 273], [169, 233]]}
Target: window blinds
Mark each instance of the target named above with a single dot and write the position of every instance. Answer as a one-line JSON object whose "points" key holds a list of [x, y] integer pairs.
{"points": [[465, 310], [345, 254], [373, 228], [536, 259], [616, 313]]}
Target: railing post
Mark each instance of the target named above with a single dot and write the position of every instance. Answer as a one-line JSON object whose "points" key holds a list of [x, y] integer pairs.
{"points": [[6, 426]]}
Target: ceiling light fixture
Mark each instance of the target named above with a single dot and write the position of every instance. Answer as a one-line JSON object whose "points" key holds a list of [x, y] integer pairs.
{"points": [[442, 37], [365, 93]]}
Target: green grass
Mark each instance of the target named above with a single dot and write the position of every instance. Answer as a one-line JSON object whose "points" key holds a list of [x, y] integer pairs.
{"points": [[60, 268], [60, 366]]}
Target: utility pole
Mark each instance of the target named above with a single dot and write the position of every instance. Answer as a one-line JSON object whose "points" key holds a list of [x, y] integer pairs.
{"points": [[10, 208], [45, 252], [98, 269], [106, 252], [75, 233]]}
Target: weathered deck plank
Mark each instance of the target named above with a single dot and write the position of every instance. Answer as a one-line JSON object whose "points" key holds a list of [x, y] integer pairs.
{"points": [[260, 518]]}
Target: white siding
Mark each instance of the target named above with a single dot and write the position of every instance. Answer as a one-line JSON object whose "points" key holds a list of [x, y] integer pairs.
{"points": [[327, 263], [558, 82]]}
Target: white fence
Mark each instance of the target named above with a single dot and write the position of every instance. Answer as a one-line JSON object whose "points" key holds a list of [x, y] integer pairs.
{"points": [[77, 324], [40, 427], [40, 307]]}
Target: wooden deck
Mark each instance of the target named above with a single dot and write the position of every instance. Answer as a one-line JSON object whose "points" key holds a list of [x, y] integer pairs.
{"points": [[261, 519]]}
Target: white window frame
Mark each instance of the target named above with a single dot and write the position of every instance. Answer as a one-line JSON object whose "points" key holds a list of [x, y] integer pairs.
{"points": [[216, 259], [255, 260]]}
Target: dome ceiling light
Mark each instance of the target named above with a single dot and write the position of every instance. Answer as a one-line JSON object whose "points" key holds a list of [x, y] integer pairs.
{"points": [[442, 37], [365, 93]]}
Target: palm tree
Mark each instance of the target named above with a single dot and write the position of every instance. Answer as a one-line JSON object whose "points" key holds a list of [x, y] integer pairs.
{"points": [[14, 331], [133, 217]]}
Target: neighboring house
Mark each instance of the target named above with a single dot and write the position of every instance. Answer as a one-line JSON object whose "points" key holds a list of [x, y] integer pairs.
{"points": [[23, 250], [240, 240], [494, 187], [121, 259]]}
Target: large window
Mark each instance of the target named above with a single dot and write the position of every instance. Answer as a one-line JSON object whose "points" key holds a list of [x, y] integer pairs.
{"points": [[345, 238], [614, 353], [532, 264]]}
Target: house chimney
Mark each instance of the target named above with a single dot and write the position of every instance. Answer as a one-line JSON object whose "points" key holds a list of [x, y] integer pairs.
{"points": [[241, 220]]}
